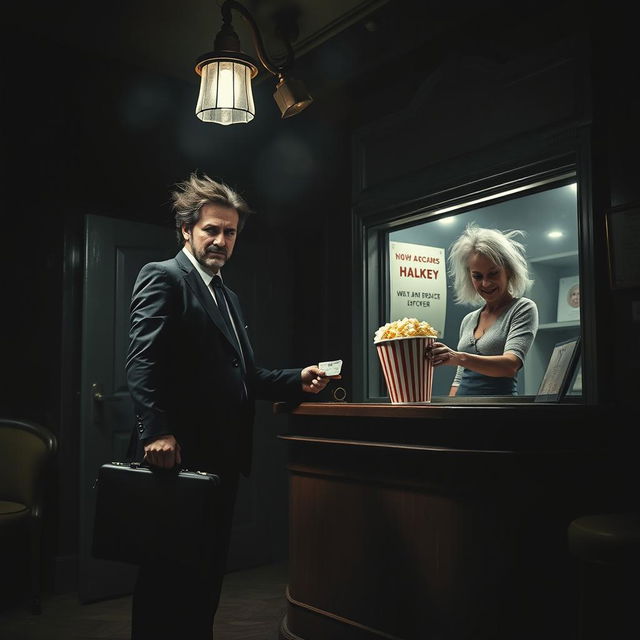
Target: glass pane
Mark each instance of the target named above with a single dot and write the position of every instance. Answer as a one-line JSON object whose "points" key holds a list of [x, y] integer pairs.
{"points": [[549, 219]]}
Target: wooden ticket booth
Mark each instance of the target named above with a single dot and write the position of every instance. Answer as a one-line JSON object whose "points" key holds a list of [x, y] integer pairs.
{"points": [[437, 521]]}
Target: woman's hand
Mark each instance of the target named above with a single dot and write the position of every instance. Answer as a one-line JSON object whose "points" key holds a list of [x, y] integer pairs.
{"points": [[440, 354]]}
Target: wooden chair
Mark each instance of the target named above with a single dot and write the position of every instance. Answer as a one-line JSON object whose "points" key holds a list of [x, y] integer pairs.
{"points": [[26, 451]]}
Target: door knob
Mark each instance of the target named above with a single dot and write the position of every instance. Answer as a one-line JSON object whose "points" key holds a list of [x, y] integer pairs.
{"points": [[96, 392]]}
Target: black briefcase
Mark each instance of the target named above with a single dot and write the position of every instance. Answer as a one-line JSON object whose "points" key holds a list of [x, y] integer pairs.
{"points": [[144, 514]]}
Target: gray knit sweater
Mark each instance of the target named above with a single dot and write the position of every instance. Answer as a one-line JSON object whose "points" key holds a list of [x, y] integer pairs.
{"points": [[512, 332]]}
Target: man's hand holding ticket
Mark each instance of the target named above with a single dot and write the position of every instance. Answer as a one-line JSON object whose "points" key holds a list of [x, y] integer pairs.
{"points": [[331, 368]]}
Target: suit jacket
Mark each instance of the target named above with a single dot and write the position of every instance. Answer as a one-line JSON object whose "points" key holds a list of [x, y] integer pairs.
{"points": [[185, 374]]}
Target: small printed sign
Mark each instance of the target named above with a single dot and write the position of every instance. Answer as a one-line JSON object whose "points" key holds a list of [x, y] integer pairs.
{"points": [[331, 367]]}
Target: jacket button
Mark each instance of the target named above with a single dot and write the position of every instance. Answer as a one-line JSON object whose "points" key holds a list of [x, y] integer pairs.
{"points": [[236, 363], [140, 429]]}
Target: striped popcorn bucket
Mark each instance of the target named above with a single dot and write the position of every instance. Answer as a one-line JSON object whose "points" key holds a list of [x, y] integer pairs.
{"points": [[407, 372]]}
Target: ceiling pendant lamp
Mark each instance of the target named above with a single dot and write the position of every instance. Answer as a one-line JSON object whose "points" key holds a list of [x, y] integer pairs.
{"points": [[226, 96]]}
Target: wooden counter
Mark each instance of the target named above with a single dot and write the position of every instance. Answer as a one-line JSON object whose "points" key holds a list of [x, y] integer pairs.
{"points": [[436, 521]]}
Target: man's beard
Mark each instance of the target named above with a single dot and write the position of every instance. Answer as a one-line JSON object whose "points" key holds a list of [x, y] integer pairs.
{"points": [[209, 258]]}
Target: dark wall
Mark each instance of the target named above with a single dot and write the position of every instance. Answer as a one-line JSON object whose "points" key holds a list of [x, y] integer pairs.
{"points": [[616, 138], [616, 134]]}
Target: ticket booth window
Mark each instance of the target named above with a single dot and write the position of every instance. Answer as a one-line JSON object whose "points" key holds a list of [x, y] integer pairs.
{"points": [[548, 216]]}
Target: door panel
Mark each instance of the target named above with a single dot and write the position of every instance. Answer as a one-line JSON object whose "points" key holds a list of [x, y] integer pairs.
{"points": [[115, 250]]}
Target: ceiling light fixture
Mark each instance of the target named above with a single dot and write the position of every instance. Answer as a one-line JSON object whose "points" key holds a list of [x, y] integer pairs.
{"points": [[226, 72]]}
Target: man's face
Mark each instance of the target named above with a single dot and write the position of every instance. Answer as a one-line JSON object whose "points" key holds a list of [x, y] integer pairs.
{"points": [[212, 238]]}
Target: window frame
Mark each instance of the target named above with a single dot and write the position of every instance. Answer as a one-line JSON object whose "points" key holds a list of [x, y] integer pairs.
{"points": [[373, 224]]}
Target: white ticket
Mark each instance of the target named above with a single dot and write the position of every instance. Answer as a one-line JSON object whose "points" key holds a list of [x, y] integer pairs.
{"points": [[331, 367]]}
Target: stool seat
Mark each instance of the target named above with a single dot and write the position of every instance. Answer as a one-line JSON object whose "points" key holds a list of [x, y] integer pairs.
{"points": [[12, 513], [10, 508], [608, 538]]}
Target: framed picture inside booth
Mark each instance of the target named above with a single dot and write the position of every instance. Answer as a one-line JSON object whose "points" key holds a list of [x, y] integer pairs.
{"points": [[560, 371], [623, 240], [569, 299]]}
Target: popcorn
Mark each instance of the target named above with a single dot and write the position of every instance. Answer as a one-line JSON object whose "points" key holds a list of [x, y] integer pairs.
{"points": [[405, 328]]}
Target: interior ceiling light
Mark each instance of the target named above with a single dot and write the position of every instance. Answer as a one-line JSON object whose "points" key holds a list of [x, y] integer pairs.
{"points": [[226, 72]]}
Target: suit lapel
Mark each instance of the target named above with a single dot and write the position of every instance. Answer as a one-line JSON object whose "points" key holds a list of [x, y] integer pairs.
{"points": [[204, 297]]}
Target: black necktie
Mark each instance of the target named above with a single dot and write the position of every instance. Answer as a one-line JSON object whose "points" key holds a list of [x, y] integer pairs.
{"points": [[218, 291], [223, 307]]}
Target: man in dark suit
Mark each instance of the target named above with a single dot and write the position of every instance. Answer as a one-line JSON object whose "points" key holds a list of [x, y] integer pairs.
{"points": [[193, 380]]}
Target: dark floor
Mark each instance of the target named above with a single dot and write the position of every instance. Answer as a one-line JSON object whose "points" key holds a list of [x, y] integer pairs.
{"points": [[251, 608]]}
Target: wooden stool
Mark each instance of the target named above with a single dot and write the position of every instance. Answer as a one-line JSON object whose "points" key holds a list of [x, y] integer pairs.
{"points": [[607, 547]]}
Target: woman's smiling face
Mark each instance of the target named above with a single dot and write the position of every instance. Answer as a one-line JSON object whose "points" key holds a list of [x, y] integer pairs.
{"points": [[490, 280]]}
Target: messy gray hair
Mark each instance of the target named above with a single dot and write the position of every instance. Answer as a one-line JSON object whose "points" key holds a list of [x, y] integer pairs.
{"points": [[498, 246], [195, 192]]}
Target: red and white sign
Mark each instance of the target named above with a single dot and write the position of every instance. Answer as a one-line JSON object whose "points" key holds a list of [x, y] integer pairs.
{"points": [[418, 283]]}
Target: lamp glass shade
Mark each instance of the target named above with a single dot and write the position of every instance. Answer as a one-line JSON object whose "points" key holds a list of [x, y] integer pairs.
{"points": [[225, 95]]}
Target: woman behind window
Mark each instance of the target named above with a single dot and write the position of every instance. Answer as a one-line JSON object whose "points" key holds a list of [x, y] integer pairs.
{"points": [[489, 267]]}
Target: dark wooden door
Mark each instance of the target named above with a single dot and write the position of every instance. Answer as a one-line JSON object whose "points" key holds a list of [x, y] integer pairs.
{"points": [[115, 250]]}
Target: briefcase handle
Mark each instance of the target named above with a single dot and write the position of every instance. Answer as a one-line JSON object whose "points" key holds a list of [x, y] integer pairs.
{"points": [[146, 465], [177, 469]]}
